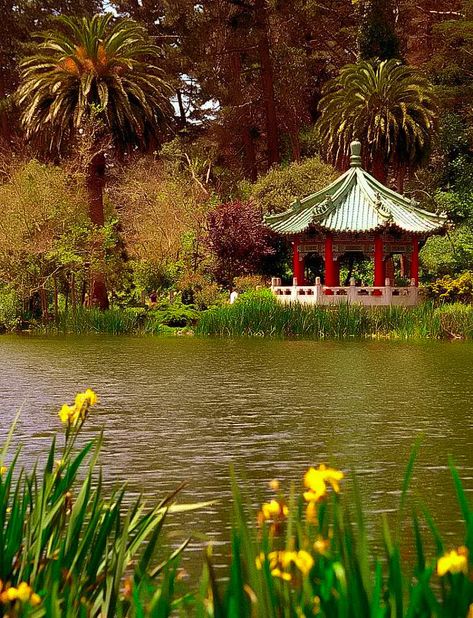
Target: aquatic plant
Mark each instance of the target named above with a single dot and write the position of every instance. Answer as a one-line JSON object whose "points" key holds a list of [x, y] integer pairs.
{"points": [[70, 549], [137, 321], [262, 315], [308, 554], [67, 547]]}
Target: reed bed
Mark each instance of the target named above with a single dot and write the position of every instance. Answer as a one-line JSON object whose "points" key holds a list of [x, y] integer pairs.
{"points": [[112, 322], [306, 553], [265, 317]]}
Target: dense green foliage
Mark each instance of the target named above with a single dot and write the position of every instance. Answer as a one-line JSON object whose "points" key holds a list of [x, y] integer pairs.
{"points": [[313, 557], [154, 124], [262, 316], [390, 107]]}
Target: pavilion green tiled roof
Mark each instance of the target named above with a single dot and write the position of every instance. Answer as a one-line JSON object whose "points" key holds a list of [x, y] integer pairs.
{"points": [[356, 202]]}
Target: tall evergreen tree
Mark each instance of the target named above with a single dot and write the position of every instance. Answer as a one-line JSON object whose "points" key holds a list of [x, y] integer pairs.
{"points": [[377, 35]]}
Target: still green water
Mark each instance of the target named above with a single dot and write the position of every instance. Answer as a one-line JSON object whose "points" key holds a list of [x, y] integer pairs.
{"points": [[184, 409]]}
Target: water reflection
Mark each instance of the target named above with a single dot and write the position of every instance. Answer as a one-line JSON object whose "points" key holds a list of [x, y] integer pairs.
{"points": [[184, 409]]}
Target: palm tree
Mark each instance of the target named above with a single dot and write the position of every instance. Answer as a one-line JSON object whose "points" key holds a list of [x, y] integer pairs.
{"points": [[94, 72], [390, 107]]}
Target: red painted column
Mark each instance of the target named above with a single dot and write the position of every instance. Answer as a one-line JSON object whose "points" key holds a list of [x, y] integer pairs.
{"points": [[297, 264], [330, 271], [415, 260], [389, 269], [379, 274], [336, 271]]}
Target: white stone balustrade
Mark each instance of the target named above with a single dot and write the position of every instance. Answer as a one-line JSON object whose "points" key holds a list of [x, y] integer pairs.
{"points": [[371, 296]]}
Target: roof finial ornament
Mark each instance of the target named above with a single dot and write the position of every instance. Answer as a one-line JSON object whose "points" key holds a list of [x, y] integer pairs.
{"points": [[355, 158]]}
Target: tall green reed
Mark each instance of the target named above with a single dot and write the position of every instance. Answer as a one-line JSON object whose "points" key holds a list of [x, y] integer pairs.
{"points": [[309, 555], [267, 317], [70, 549]]}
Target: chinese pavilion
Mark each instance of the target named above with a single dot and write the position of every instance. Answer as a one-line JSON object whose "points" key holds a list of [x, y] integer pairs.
{"points": [[356, 214]]}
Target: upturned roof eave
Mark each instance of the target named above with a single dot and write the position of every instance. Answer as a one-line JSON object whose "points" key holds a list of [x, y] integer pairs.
{"points": [[407, 203], [379, 204], [372, 230], [299, 205]]}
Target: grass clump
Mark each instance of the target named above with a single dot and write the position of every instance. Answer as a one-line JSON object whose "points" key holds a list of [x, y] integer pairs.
{"points": [[130, 321], [69, 550], [309, 555], [264, 316]]}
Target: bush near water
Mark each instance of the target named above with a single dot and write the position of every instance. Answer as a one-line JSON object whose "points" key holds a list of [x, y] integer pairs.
{"points": [[69, 548]]}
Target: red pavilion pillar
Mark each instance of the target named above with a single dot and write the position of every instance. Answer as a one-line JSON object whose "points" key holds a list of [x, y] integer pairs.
{"points": [[415, 261], [297, 263], [330, 267], [336, 268], [379, 273]]}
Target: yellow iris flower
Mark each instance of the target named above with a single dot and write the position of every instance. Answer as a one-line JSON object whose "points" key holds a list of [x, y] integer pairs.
{"points": [[455, 561], [3, 470], [23, 593], [71, 415], [304, 561], [316, 481], [280, 561], [274, 509]]}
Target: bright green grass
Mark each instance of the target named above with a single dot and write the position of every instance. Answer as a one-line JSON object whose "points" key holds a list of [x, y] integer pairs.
{"points": [[265, 317]]}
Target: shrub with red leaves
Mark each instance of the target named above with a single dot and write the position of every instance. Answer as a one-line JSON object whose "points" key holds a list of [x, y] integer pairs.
{"points": [[238, 240]]}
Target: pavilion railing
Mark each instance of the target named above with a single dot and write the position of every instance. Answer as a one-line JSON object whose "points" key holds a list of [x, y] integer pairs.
{"points": [[319, 294]]}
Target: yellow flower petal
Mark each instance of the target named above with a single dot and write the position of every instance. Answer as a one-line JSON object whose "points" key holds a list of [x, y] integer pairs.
{"points": [[278, 573], [12, 594], [24, 592], [65, 413], [304, 561], [274, 510], [455, 561], [35, 599], [91, 396]]}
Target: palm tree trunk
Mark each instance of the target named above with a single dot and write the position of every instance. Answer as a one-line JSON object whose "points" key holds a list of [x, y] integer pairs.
{"points": [[378, 168], [95, 182], [400, 175]]}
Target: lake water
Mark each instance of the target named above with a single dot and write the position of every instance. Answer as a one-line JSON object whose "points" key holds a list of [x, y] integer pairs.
{"points": [[184, 409]]}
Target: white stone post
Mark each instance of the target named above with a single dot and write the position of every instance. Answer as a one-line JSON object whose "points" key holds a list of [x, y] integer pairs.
{"points": [[318, 291], [388, 291], [352, 296]]}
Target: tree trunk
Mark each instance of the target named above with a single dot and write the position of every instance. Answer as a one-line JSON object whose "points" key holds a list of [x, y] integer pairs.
{"points": [[378, 168], [400, 175], [249, 157], [95, 183], [182, 112], [267, 80]]}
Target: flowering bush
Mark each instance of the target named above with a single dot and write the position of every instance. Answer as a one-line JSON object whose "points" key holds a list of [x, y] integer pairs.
{"points": [[308, 555], [69, 550], [238, 241]]}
